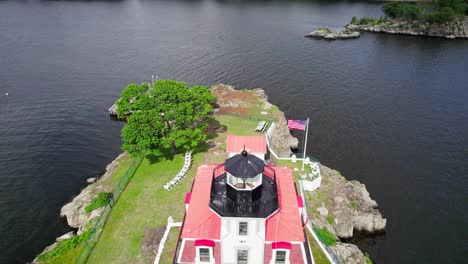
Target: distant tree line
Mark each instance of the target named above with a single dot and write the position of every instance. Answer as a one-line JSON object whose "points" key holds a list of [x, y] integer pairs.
{"points": [[437, 11]]}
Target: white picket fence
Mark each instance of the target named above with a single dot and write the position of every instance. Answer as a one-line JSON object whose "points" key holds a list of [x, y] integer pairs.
{"points": [[182, 172]]}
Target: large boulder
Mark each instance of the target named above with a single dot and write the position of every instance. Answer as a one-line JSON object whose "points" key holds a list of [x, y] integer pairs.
{"points": [[348, 253], [349, 205]]}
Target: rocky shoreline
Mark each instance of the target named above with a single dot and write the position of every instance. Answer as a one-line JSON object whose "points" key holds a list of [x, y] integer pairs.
{"points": [[457, 29], [326, 33], [74, 211], [344, 208]]}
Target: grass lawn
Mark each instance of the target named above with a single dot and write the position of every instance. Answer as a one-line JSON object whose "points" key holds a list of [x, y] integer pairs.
{"points": [[144, 203], [238, 125]]}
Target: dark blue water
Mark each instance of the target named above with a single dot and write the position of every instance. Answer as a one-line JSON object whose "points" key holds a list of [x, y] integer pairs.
{"points": [[389, 111]]}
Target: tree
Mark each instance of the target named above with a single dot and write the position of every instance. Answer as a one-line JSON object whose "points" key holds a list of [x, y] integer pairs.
{"points": [[392, 10], [132, 93], [167, 119]]}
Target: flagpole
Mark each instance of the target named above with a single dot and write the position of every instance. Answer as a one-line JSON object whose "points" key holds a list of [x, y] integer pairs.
{"points": [[305, 143]]}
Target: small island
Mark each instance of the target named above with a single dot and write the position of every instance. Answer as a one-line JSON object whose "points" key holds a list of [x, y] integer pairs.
{"points": [[326, 33], [130, 229], [440, 18]]}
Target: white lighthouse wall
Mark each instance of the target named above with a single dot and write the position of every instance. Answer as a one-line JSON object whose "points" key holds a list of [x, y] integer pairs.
{"points": [[231, 241]]}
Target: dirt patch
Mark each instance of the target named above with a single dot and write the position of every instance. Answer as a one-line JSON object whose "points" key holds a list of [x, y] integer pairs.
{"points": [[233, 110], [150, 243]]}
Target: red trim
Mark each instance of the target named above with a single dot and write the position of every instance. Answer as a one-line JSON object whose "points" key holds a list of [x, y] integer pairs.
{"points": [[204, 243], [187, 197], [281, 245], [300, 202]]}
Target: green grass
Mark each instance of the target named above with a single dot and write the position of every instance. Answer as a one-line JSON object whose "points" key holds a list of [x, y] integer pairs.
{"points": [[325, 236], [101, 200], [143, 203], [67, 251], [238, 125], [317, 253]]}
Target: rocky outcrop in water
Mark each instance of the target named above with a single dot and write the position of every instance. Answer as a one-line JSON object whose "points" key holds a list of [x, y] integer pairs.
{"points": [[74, 211], [346, 206], [457, 29], [329, 34]]}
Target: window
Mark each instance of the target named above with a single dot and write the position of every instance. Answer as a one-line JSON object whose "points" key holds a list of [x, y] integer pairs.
{"points": [[243, 227], [204, 254], [280, 257], [242, 256]]}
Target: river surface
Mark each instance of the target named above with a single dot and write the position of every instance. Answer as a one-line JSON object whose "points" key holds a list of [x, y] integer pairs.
{"points": [[389, 111]]}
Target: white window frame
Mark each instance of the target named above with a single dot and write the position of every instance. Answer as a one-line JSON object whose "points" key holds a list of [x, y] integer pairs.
{"points": [[237, 254], [197, 255], [238, 229], [273, 255]]}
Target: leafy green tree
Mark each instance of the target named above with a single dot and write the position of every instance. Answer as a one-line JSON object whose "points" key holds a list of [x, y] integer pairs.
{"points": [[393, 9], [167, 119], [402, 10], [132, 93]]}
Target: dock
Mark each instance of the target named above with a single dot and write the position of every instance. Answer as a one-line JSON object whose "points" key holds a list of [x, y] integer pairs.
{"points": [[113, 111]]}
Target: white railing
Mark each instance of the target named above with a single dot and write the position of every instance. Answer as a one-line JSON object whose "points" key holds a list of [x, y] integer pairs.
{"points": [[182, 172], [170, 224]]}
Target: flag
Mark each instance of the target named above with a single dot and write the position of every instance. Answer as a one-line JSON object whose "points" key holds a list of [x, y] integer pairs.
{"points": [[297, 124]]}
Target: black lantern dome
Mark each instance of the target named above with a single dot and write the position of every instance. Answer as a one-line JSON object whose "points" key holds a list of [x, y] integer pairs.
{"points": [[244, 165]]}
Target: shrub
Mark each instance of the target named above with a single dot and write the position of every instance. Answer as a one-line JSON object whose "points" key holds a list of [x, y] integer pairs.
{"points": [[101, 200], [325, 236], [366, 21], [354, 20]]}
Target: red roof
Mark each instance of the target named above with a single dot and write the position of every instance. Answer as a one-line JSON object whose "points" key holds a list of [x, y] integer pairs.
{"points": [[286, 224], [201, 222], [253, 144], [295, 254]]}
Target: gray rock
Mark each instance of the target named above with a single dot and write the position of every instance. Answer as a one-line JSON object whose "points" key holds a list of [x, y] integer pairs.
{"points": [[349, 204], [329, 34], [348, 253], [323, 211], [65, 236], [91, 180]]}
